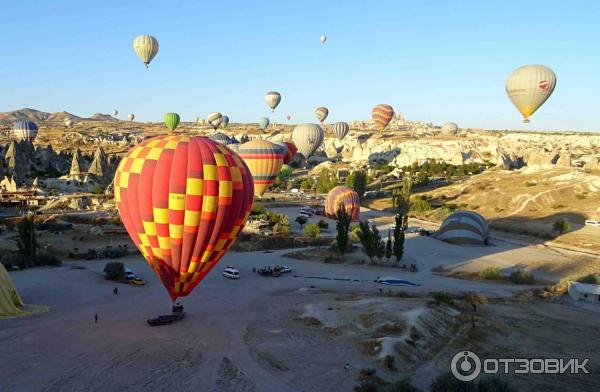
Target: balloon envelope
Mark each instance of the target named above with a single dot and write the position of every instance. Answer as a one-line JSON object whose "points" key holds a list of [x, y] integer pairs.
{"points": [[221, 138], [264, 159], [272, 98], [323, 39], [321, 113], [146, 47], [224, 122], [115, 113], [529, 86], [172, 120], [291, 152], [263, 123], [342, 197], [214, 119], [183, 200], [382, 114], [449, 128], [340, 129], [25, 130], [131, 117], [307, 138]]}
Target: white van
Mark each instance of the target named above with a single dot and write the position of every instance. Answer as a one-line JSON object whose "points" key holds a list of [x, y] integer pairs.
{"points": [[231, 273], [592, 223]]}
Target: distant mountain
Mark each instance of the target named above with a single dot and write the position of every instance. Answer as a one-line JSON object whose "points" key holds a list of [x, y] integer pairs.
{"points": [[39, 116], [103, 117], [62, 116], [24, 114]]}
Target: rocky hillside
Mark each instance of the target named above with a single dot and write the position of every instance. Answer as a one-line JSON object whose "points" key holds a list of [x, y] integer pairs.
{"points": [[39, 116]]}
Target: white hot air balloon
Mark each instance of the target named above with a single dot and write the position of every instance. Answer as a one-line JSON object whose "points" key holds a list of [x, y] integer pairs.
{"points": [[449, 128], [115, 113], [68, 122], [323, 39], [146, 47], [529, 86], [308, 138], [272, 98], [131, 117]]}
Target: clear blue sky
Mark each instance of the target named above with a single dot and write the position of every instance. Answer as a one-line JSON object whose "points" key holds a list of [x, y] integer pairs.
{"points": [[431, 60]]}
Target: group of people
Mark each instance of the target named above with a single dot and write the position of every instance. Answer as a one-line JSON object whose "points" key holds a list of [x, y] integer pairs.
{"points": [[268, 271]]}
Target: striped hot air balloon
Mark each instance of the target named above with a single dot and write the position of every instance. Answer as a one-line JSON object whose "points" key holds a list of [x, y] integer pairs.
{"points": [[25, 130], [224, 122], [222, 138], [307, 138], [321, 113], [382, 114], [529, 86], [342, 197], [340, 129], [131, 117], [172, 120], [272, 98], [263, 123], [214, 119], [291, 152], [146, 47], [183, 201], [264, 159]]}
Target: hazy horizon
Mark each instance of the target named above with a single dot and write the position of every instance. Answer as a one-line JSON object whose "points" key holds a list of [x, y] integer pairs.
{"points": [[433, 62]]}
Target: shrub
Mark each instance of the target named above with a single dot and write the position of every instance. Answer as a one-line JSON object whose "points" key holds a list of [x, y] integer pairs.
{"points": [[530, 183], [312, 231], [591, 279], [353, 237], [580, 196], [441, 297], [10, 259], [301, 220], [420, 205], [45, 258], [114, 270], [556, 206], [323, 224], [257, 209], [521, 277], [561, 225], [389, 362], [282, 229], [491, 273]]}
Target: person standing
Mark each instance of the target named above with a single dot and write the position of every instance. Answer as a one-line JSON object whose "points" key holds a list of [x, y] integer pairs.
{"points": [[96, 318]]}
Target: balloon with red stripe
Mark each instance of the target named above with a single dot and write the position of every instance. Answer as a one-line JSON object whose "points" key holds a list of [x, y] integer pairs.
{"points": [[264, 159], [183, 200], [382, 114], [342, 197]]}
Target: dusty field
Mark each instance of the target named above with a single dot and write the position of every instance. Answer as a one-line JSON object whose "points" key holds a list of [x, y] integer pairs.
{"points": [[265, 334]]}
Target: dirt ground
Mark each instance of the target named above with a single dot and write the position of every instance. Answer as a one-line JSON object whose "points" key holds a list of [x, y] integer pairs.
{"points": [[311, 329]]}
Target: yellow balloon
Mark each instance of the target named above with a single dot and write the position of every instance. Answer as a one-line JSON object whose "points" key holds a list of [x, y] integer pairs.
{"points": [[146, 47], [529, 86]]}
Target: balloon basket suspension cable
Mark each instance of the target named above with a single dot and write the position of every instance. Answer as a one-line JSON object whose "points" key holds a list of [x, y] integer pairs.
{"points": [[146, 65]]}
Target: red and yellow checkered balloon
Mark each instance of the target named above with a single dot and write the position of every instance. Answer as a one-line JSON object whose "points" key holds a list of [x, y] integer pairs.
{"points": [[183, 201]]}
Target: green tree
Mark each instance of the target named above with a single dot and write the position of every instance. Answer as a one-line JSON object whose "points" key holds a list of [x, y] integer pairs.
{"points": [[326, 181], [401, 202], [244, 139], [561, 225], [114, 270], [371, 240], [312, 231], [301, 220], [323, 224], [26, 243], [307, 184], [359, 183], [388, 248], [342, 226]]}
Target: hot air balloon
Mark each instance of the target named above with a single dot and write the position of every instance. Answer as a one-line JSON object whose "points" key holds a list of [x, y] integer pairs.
{"points": [[24, 130], [68, 122], [115, 113], [263, 123], [340, 129], [291, 152], [224, 122], [529, 86], [183, 200], [201, 121], [449, 128], [131, 117], [284, 149], [222, 138], [171, 120], [342, 197], [214, 119], [382, 115], [323, 39], [288, 117], [146, 47], [321, 113], [264, 159], [272, 98], [307, 138]]}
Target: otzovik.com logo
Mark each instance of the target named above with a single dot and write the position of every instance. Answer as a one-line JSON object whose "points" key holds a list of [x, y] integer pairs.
{"points": [[467, 366]]}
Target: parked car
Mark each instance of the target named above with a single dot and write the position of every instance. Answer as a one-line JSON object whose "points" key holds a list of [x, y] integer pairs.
{"points": [[129, 275], [285, 269], [137, 281], [592, 223], [231, 273]]}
